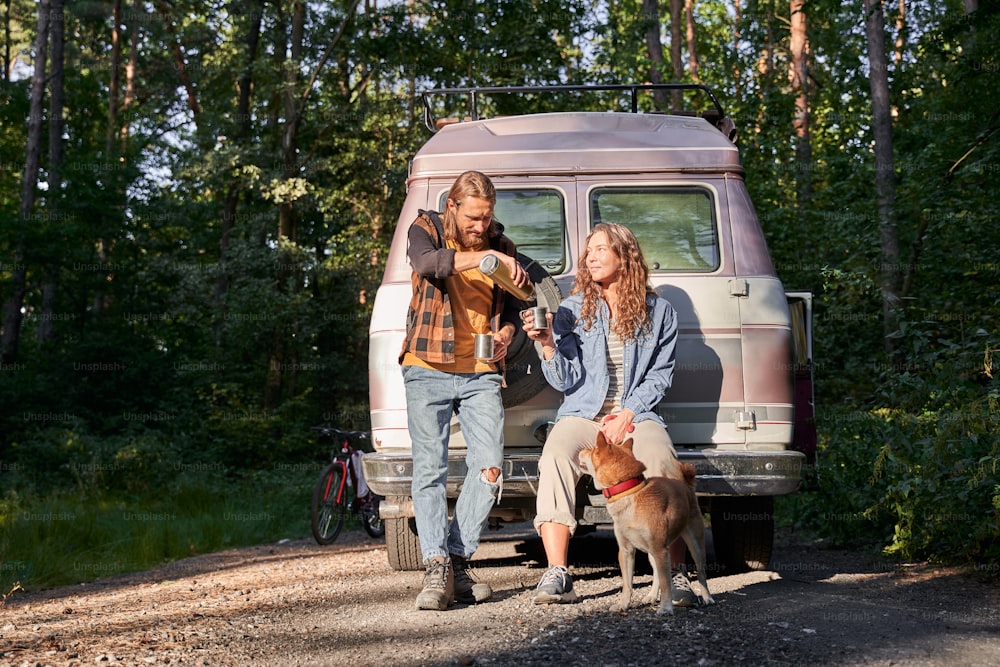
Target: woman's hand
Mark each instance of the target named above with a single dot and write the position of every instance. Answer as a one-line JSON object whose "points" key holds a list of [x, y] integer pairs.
{"points": [[616, 427], [543, 336]]}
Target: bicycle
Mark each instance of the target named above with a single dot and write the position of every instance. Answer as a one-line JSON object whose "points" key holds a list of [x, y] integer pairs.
{"points": [[330, 505]]}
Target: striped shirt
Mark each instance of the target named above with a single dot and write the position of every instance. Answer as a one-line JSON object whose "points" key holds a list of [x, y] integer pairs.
{"points": [[616, 373]]}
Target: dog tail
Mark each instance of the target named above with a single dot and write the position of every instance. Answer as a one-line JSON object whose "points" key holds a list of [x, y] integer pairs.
{"points": [[688, 471]]}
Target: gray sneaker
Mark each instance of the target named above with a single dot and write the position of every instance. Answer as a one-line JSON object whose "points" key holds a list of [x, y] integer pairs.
{"points": [[683, 595], [556, 585], [467, 589], [438, 585]]}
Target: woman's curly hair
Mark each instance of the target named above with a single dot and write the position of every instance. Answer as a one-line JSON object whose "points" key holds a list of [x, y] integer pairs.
{"points": [[633, 283]]}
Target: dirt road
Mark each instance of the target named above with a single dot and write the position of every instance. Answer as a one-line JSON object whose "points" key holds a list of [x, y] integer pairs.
{"points": [[296, 603]]}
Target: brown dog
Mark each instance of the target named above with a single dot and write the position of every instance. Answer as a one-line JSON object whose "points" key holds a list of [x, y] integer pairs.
{"points": [[648, 514]]}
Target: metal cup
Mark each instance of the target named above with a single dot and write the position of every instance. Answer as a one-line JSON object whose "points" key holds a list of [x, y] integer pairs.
{"points": [[484, 346], [540, 313]]}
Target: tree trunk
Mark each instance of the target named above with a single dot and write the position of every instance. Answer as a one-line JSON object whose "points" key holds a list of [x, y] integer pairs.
{"points": [[57, 97], [737, 74], [885, 180], [691, 44], [166, 11], [654, 49], [8, 62], [900, 32], [765, 66], [676, 49], [114, 80], [12, 317], [245, 85], [286, 210], [129, 99], [293, 114], [798, 76], [111, 134]]}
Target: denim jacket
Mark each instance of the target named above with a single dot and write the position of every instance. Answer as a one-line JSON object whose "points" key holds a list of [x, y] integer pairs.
{"points": [[579, 366]]}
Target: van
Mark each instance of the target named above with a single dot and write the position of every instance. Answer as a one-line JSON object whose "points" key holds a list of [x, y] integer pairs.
{"points": [[740, 408]]}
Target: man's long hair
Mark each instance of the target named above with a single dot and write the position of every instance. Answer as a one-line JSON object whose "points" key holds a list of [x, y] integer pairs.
{"points": [[633, 283], [469, 184]]}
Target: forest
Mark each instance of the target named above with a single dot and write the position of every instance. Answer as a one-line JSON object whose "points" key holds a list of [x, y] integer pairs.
{"points": [[196, 202]]}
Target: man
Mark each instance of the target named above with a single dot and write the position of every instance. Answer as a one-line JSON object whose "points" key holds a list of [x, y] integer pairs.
{"points": [[452, 301]]}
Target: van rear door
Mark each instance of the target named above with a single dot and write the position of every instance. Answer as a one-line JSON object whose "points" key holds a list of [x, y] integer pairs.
{"points": [[680, 225]]}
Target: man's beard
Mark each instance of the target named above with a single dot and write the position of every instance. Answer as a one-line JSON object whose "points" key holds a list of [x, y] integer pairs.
{"points": [[468, 240]]}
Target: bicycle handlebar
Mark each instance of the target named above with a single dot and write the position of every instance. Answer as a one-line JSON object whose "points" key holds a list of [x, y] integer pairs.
{"points": [[331, 431]]}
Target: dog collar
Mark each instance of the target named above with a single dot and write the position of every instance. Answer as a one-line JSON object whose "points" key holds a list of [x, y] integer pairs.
{"points": [[628, 487]]}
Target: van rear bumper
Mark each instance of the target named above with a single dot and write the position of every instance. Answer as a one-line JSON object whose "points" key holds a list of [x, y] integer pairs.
{"points": [[720, 473]]}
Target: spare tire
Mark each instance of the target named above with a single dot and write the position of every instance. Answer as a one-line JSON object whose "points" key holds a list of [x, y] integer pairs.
{"points": [[524, 373]]}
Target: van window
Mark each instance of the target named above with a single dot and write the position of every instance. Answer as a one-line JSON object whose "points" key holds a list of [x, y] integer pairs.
{"points": [[675, 226], [535, 220]]}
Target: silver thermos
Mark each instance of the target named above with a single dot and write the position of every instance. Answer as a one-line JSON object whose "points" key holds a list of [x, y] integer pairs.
{"points": [[497, 270]]}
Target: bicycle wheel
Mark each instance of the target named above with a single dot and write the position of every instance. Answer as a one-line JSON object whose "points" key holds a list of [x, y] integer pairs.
{"points": [[327, 515], [373, 524]]}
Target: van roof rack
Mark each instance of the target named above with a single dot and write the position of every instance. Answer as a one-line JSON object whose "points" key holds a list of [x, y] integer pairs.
{"points": [[715, 116]]}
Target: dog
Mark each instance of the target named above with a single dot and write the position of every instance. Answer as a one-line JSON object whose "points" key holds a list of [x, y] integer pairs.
{"points": [[648, 514]]}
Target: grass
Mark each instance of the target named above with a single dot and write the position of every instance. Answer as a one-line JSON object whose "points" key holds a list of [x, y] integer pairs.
{"points": [[64, 539]]}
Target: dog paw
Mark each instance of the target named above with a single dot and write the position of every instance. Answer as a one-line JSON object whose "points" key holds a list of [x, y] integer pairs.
{"points": [[619, 608], [665, 610]]}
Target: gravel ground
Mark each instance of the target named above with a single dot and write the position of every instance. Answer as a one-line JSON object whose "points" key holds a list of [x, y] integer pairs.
{"points": [[296, 603]]}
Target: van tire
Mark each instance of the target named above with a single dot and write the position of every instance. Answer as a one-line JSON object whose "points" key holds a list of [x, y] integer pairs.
{"points": [[524, 374], [742, 532], [401, 543]]}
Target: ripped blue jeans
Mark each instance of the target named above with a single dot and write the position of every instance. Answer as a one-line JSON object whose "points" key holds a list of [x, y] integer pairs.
{"points": [[432, 397]]}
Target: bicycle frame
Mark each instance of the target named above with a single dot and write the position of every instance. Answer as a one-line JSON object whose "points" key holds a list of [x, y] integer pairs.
{"points": [[331, 505], [339, 497]]}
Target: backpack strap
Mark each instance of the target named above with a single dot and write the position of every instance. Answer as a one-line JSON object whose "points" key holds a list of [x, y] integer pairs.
{"points": [[435, 218]]}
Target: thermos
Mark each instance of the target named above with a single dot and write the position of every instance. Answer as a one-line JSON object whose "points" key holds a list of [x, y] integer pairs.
{"points": [[497, 270]]}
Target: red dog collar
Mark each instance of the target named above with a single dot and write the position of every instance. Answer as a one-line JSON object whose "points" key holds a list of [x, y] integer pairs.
{"points": [[622, 487]]}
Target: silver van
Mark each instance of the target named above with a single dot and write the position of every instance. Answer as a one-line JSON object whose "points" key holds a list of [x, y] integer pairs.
{"points": [[740, 407]]}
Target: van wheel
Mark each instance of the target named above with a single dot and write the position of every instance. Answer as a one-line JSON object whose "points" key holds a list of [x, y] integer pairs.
{"points": [[402, 544], [524, 373], [743, 532]]}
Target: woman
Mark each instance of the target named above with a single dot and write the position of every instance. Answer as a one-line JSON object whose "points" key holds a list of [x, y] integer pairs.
{"points": [[610, 350]]}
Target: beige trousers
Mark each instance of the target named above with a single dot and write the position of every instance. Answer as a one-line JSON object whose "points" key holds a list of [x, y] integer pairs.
{"points": [[559, 468]]}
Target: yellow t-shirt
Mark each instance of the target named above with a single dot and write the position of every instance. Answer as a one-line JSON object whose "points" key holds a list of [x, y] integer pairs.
{"points": [[471, 295]]}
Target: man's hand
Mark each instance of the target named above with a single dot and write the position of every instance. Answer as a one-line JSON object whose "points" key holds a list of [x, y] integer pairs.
{"points": [[517, 273], [501, 341]]}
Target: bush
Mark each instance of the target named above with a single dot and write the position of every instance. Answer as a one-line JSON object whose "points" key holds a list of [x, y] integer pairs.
{"points": [[922, 482]]}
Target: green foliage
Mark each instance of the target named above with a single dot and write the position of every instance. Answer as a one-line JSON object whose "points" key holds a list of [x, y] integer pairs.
{"points": [[67, 537], [195, 340], [925, 486]]}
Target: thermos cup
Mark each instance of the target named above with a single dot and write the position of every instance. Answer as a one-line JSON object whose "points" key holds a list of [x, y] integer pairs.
{"points": [[484, 346], [539, 315]]}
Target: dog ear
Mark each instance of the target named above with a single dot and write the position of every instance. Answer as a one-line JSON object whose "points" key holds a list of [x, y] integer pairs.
{"points": [[601, 441], [628, 445]]}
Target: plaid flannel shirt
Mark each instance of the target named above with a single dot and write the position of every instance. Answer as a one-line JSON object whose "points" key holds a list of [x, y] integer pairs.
{"points": [[430, 329]]}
